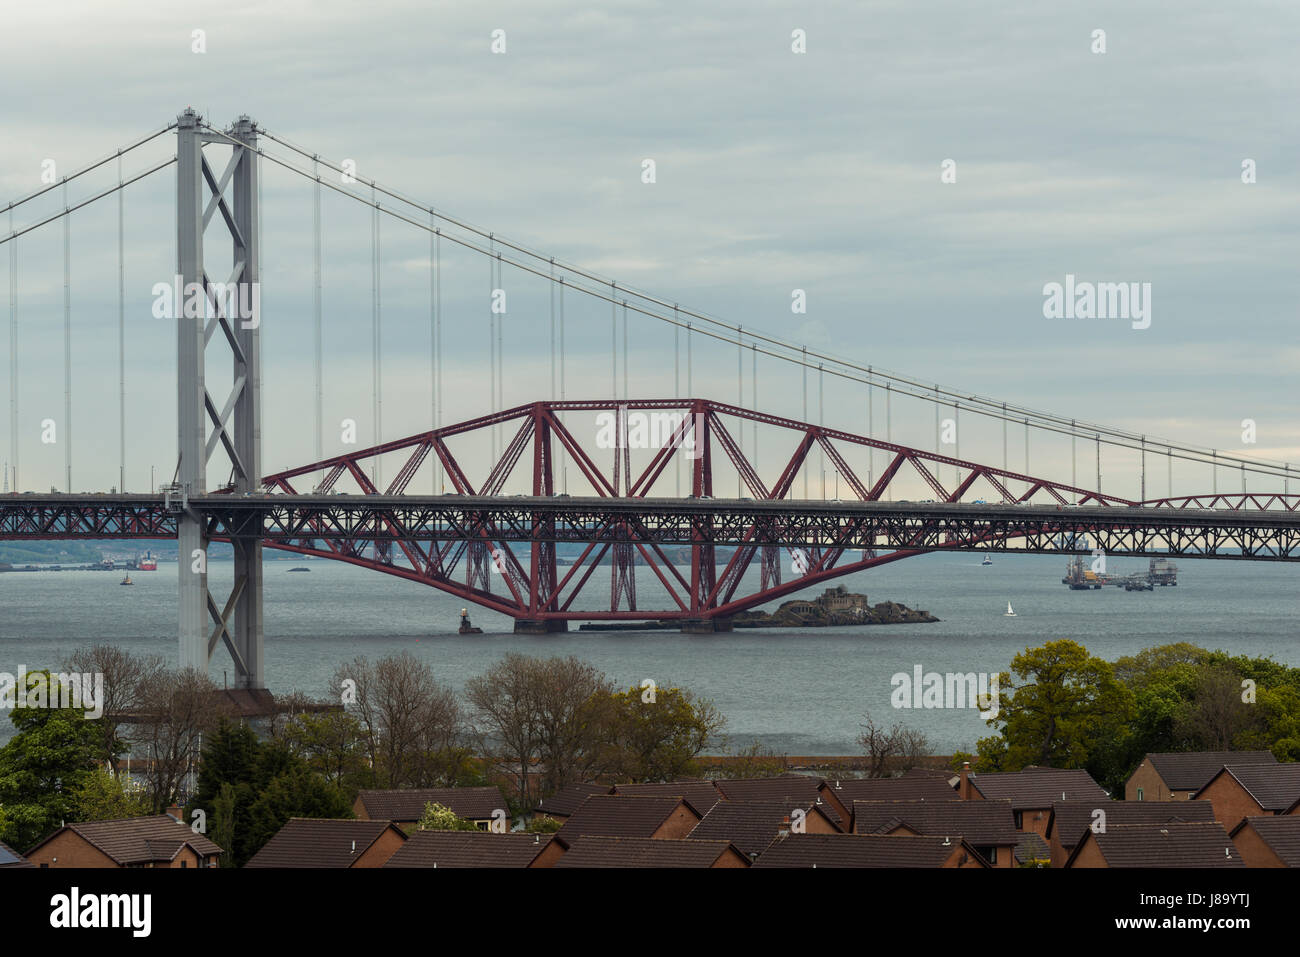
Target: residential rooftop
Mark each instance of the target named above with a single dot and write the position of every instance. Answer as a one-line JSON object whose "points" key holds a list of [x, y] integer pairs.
{"points": [[468, 849], [1191, 770], [591, 851], [320, 842], [1203, 844]]}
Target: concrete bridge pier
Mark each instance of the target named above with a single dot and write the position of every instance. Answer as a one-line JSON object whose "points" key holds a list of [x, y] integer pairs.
{"points": [[705, 626], [540, 626]]}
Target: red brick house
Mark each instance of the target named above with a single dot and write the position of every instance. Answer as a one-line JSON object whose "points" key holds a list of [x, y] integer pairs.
{"points": [[1069, 819], [635, 852], [331, 843], [612, 815], [1032, 792], [1272, 841], [862, 851], [1204, 844], [460, 849], [1252, 790], [158, 840], [988, 826], [405, 806], [1177, 775], [753, 825]]}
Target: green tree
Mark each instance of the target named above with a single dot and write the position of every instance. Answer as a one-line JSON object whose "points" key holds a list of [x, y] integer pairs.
{"points": [[297, 792], [225, 806], [101, 796], [250, 788], [439, 817], [1066, 706], [43, 766], [334, 745], [654, 735], [543, 824]]}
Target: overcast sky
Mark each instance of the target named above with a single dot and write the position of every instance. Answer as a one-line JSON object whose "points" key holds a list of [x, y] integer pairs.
{"points": [[775, 171]]}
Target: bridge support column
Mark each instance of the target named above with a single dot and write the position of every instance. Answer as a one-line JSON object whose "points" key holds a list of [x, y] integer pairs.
{"points": [[705, 626], [230, 306], [540, 626], [191, 467]]}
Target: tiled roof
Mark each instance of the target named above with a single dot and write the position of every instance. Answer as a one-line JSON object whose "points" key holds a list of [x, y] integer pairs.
{"points": [[1071, 818], [1039, 787], [468, 849], [569, 798], [1204, 844], [319, 842], [916, 787], [750, 825], [946, 775], [982, 823], [857, 850], [1280, 833], [1275, 786], [142, 840], [1031, 847], [1190, 770], [798, 790], [604, 815], [701, 795], [11, 858], [642, 852], [474, 804]]}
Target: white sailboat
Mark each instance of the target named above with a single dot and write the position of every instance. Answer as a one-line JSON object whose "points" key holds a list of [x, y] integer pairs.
{"points": [[1009, 612], [987, 559]]}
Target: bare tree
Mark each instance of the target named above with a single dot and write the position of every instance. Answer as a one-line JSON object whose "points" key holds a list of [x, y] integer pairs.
{"points": [[126, 680], [409, 720], [176, 708], [537, 710], [894, 749]]}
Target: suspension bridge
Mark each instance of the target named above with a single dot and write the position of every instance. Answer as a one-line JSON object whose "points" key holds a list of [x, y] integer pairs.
{"points": [[648, 473]]}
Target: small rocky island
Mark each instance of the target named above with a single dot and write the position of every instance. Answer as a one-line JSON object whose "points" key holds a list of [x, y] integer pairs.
{"points": [[835, 607]]}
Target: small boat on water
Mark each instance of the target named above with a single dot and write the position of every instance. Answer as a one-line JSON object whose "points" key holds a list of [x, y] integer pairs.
{"points": [[987, 560], [1009, 613], [126, 581]]}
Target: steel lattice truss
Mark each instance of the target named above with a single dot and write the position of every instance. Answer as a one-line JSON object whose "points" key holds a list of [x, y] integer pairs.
{"points": [[499, 551]]}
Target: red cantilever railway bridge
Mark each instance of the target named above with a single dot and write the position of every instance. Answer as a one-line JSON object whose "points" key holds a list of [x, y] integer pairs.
{"points": [[470, 542]]}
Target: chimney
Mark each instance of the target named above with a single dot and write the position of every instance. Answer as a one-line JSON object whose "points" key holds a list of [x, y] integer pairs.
{"points": [[176, 813], [964, 789]]}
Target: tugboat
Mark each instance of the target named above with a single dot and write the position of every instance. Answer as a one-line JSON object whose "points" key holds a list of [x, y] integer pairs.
{"points": [[126, 581], [465, 627]]}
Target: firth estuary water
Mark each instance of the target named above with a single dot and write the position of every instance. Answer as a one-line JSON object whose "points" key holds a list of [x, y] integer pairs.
{"points": [[798, 692]]}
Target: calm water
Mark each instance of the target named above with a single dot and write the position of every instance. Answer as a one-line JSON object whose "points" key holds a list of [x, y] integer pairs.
{"points": [[797, 692]]}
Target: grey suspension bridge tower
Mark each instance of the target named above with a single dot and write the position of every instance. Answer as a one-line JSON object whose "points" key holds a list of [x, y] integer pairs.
{"points": [[237, 423]]}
